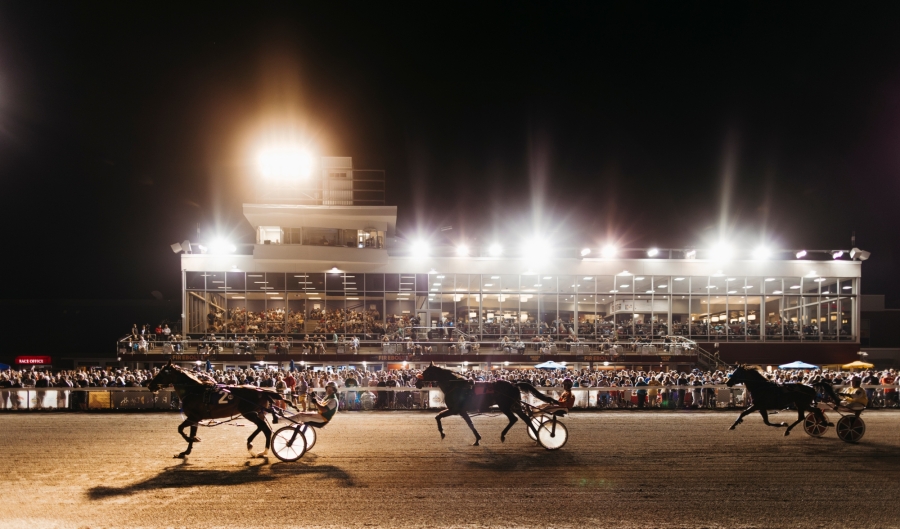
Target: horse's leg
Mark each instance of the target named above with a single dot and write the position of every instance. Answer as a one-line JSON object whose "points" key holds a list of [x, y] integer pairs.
{"points": [[190, 440], [441, 415], [801, 412], [261, 426], [528, 422], [468, 420], [743, 414], [765, 416], [512, 420]]}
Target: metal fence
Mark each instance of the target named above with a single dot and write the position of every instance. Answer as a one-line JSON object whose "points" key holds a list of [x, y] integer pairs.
{"points": [[400, 398]]}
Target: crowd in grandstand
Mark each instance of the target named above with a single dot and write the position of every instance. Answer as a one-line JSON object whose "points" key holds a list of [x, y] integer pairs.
{"points": [[622, 389]]}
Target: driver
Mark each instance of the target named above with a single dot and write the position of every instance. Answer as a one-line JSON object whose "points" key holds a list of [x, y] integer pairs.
{"points": [[566, 399], [326, 408], [854, 398]]}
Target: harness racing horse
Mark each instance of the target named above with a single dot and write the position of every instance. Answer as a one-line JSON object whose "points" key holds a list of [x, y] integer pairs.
{"points": [[462, 396], [204, 400], [767, 395]]}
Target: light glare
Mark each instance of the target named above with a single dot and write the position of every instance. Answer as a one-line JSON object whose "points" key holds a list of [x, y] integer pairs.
{"points": [[288, 162]]}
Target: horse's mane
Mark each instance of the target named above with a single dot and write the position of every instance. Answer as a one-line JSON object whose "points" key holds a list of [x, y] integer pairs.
{"points": [[756, 373], [455, 375], [193, 378]]}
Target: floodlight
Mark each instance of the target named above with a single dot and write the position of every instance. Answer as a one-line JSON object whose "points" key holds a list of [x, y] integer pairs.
{"points": [[176, 247], [690, 254], [862, 255], [536, 249], [837, 254], [495, 250], [220, 246], [609, 251], [762, 253], [652, 252], [721, 252], [462, 250], [289, 162], [419, 249], [801, 254], [585, 252]]}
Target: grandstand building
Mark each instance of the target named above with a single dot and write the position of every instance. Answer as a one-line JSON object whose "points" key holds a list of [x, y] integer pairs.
{"points": [[327, 262]]}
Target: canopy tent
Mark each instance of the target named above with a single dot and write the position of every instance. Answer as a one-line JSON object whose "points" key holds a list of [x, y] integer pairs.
{"points": [[797, 365], [550, 364], [4, 367], [858, 364]]}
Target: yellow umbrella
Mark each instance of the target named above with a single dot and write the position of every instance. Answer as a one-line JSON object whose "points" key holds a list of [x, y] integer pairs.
{"points": [[859, 364]]}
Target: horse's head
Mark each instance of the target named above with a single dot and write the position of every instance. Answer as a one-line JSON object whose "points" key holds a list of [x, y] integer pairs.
{"points": [[737, 376], [169, 374], [431, 373]]}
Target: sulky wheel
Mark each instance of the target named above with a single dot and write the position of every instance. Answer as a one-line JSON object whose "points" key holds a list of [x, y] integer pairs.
{"points": [[851, 428], [310, 434], [814, 426], [553, 435], [288, 444], [536, 422], [367, 401]]}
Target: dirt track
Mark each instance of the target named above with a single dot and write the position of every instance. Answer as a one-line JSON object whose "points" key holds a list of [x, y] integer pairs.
{"points": [[619, 469]]}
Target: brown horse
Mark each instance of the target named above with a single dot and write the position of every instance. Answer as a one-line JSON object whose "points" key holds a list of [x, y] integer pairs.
{"points": [[205, 400], [462, 396]]}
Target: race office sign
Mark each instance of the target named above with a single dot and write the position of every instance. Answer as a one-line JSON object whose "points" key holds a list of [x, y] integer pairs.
{"points": [[34, 360]]}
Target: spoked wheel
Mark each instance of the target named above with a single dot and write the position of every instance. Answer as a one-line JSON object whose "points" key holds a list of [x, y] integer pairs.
{"points": [[289, 444], [367, 401], [536, 422], [851, 428], [310, 434], [814, 426], [553, 434]]}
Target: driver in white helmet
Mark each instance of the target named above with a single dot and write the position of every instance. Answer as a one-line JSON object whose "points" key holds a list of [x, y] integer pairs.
{"points": [[326, 407]]}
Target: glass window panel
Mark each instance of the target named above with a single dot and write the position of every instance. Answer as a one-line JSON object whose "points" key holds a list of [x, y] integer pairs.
{"points": [[321, 237], [681, 316], [682, 284], [391, 283], [846, 320], [275, 312], [588, 284], [549, 316], [334, 282], [510, 283], [845, 287], [297, 282], [604, 284], [423, 281], [296, 313], [792, 317], [587, 316], [215, 281], [236, 310], [771, 316], [353, 284], [548, 284], [256, 312], [567, 284], [195, 280], [374, 282], [773, 285], [256, 281], [444, 282], [490, 282], [275, 281], [316, 282], [407, 283], [700, 324], [528, 316], [235, 281]]}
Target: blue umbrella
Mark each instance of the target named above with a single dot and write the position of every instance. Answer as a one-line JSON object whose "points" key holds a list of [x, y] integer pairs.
{"points": [[550, 364], [4, 367], [798, 365], [208, 365]]}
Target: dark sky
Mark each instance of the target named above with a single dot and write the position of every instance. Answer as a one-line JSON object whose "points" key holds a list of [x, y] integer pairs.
{"points": [[123, 125]]}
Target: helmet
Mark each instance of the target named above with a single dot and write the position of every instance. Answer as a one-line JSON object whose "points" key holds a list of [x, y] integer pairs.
{"points": [[567, 383], [331, 384]]}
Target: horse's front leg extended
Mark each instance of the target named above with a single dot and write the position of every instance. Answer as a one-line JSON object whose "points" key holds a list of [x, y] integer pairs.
{"points": [[190, 440], [441, 415], [743, 414], [468, 420], [261, 426]]}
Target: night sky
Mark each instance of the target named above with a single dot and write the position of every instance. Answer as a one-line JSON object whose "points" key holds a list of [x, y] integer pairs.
{"points": [[124, 125]]}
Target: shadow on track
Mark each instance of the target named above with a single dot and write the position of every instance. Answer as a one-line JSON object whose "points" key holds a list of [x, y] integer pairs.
{"points": [[181, 476], [506, 462]]}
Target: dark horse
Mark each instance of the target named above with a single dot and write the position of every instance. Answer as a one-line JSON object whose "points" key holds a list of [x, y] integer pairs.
{"points": [[462, 396], [768, 395], [205, 400]]}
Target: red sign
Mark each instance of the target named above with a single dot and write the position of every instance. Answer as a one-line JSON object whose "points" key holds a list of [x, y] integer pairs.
{"points": [[34, 360]]}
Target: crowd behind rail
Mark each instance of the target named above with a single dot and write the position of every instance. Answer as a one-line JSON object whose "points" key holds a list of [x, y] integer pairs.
{"points": [[384, 389], [401, 339]]}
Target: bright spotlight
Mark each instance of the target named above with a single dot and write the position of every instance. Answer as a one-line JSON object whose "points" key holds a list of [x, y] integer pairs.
{"points": [[801, 254], [585, 252], [721, 252], [419, 249], [220, 246], [609, 251], [288, 162], [495, 250], [762, 253], [837, 254], [462, 250], [536, 249], [652, 252]]}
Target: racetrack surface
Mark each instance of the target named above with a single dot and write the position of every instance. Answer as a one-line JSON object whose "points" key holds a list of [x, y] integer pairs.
{"points": [[391, 469]]}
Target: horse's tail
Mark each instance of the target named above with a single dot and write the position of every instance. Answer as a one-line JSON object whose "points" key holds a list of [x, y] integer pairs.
{"points": [[827, 389], [528, 388]]}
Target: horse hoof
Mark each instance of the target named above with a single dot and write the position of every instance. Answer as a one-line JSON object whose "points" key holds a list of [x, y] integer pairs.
{"points": [[442, 436], [180, 456], [502, 438], [475, 444], [732, 427], [787, 433]]}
